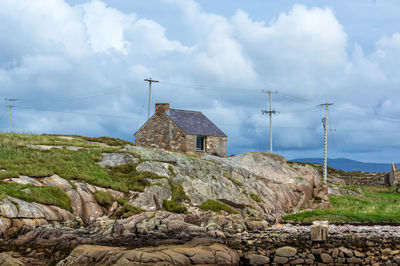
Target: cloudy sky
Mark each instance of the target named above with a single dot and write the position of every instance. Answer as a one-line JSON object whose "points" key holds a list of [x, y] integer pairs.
{"points": [[78, 67]]}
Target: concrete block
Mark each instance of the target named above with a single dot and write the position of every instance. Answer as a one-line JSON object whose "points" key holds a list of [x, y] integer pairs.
{"points": [[319, 230]]}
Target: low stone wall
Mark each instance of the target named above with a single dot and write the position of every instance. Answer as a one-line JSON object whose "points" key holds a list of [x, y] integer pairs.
{"points": [[354, 245], [370, 179]]}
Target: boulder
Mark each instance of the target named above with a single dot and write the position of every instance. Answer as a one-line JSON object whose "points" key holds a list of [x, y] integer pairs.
{"points": [[90, 210], [187, 254], [147, 199], [258, 260], [326, 258], [7, 260], [286, 252]]}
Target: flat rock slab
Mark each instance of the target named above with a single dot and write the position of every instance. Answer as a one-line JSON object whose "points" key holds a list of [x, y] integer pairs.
{"points": [[7, 260], [187, 254], [116, 159], [25, 180]]}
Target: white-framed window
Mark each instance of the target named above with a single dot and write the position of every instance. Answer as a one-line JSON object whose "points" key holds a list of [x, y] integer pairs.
{"points": [[200, 143]]}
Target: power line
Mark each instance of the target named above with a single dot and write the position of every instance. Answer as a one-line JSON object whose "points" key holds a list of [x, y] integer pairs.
{"points": [[69, 99], [73, 112]]}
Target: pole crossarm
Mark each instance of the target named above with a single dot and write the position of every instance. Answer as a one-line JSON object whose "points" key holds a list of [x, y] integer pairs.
{"points": [[150, 81]]}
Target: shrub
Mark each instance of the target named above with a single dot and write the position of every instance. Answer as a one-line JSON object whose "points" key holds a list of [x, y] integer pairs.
{"points": [[103, 198], [233, 180], [172, 206], [127, 210], [178, 194], [215, 206], [255, 197]]}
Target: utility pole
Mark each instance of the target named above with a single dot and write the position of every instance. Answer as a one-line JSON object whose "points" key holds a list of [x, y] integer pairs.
{"points": [[149, 81], [10, 106], [325, 123], [270, 113]]}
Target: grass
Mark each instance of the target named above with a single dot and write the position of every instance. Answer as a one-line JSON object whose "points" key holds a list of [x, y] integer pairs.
{"points": [[172, 206], [171, 170], [131, 179], [49, 195], [81, 165], [233, 180], [380, 204], [216, 206], [103, 198], [178, 194], [126, 210], [14, 139], [255, 197]]}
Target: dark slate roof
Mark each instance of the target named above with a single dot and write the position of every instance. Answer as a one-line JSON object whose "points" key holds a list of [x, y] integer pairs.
{"points": [[194, 123]]}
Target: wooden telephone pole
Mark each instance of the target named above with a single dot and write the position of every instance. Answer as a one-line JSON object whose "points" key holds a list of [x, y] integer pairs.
{"points": [[325, 123], [150, 81], [10, 106], [270, 113]]}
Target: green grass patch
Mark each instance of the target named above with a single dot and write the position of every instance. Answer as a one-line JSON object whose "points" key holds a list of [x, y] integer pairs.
{"points": [[173, 206], [171, 170], [49, 195], [103, 198], [233, 180], [178, 194], [131, 179], [380, 204], [255, 197], [126, 210], [216, 206]]}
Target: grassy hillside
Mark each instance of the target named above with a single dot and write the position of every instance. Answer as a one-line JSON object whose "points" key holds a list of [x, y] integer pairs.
{"points": [[18, 157], [380, 204]]}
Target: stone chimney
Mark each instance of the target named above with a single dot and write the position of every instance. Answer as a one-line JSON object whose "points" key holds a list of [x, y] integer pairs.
{"points": [[162, 108]]}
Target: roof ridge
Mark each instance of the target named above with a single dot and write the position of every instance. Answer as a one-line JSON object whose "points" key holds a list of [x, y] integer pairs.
{"points": [[189, 111]]}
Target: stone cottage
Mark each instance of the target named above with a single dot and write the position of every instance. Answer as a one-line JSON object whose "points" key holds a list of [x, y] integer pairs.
{"points": [[181, 131]]}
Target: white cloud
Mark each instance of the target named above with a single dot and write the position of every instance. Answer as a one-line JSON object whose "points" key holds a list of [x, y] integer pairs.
{"points": [[105, 26], [105, 53]]}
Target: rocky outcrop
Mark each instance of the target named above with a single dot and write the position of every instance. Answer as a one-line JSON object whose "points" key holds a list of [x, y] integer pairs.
{"points": [[254, 184], [187, 254], [280, 187]]}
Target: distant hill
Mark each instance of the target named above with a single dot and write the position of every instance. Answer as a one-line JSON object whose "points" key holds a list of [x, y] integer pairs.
{"points": [[349, 165]]}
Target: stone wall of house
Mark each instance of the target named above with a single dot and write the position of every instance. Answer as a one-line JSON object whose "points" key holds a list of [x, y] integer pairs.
{"points": [[216, 146], [162, 133], [213, 145]]}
